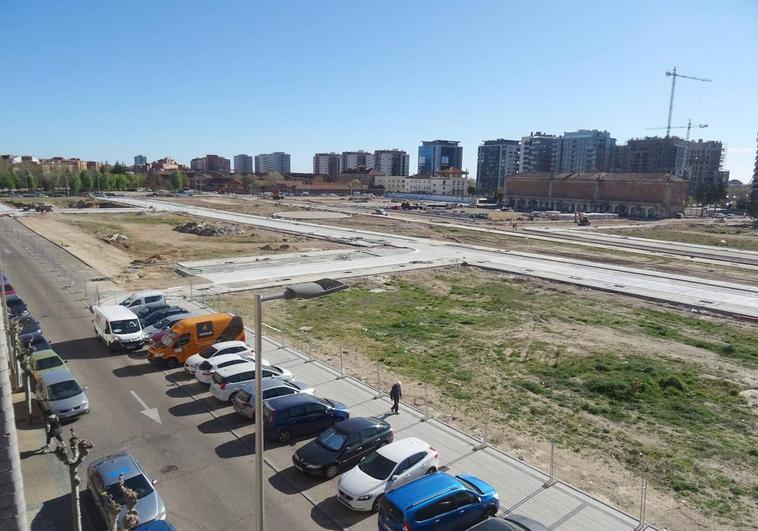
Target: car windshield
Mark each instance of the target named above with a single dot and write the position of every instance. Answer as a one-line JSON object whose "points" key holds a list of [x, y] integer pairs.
{"points": [[208, 353], [138, 484], [377, 466], [332, 439], [63, 390], [127, 326], [40, 343], [49, 363], [126, 302], [160, 324], [17, 303], [28, 325]]}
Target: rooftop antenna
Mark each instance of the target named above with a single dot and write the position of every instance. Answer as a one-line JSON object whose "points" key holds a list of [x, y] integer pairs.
{"points": [[673, 74]]}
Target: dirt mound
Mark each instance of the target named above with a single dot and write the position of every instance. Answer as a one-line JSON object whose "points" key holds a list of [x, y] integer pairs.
{"points": [[275, 247], [150, 260], [207, 229]]}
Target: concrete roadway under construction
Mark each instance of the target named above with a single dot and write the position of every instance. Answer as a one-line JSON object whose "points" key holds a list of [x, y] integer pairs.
{"points": [[378, 253]]}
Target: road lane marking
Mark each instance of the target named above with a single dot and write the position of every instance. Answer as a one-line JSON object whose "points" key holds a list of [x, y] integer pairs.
{"points": [[151, 413]]}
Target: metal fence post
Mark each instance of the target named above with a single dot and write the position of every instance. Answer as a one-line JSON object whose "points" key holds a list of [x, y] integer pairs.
{"points": [[551, 469], [190, 283], [379, 393], [342, 363], [643, 504]]}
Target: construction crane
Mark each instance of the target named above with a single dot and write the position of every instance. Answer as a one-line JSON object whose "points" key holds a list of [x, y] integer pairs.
{"points": [[687, 127], [673, 74]]}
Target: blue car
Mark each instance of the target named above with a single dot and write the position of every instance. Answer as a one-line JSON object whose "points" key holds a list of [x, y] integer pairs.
{"points": [[438, 501], [155, 525], [300, 414], [30, 329]]}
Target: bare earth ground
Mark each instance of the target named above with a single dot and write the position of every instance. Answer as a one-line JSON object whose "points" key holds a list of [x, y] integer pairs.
{"points": [[265, 207], [152, 241], [496, 375]]}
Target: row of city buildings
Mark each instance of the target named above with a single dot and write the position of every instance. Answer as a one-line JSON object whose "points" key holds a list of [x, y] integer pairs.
{"points": [[263, 163]]}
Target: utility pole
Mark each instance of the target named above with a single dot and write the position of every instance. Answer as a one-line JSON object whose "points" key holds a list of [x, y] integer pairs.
{"points": [[72, 457], [673, 74], [12, 503]]}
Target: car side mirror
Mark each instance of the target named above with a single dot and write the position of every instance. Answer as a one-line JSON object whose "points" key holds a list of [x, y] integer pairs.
{"points": [[393, 477], [154, 482], [85, 387]]}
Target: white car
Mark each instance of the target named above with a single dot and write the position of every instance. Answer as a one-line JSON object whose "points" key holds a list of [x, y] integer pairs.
{"points": [[218, 349], [362, 487], [207, 368], [229, 381], [143, 299]]}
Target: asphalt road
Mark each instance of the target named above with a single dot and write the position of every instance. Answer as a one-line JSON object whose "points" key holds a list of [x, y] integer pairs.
{"points": [[204, 471]]}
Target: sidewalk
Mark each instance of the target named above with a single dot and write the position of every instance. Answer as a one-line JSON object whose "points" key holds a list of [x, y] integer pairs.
{"points": [[46, 483]]}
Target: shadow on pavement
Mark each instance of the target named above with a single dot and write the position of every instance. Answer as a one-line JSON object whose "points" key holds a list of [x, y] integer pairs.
{"points": [[179, 376], [188, 390], [135, 370], [137, 354], [292, 481], [230, 421], [82, 349], [196, 407], [236, 447], [37, 421], [332, 511], [56, 514]]}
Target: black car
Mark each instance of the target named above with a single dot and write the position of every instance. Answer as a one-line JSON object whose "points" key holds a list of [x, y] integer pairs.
{"points": [[29, 328], [149, 310], [40, 343], [16, 307], [154, 317], [342, 446]]}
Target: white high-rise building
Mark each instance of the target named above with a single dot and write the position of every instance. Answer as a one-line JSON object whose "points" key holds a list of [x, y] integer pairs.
{"points": [[243, 164], [278, 161]]}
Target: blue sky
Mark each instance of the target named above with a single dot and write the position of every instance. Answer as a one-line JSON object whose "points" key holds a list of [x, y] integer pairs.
{"points": [[108, 80]]}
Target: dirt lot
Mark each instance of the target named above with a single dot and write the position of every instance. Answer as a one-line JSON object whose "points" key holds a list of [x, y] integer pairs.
{"points": [[724, 233], [147, 257], [255, 206], [625, 388]]}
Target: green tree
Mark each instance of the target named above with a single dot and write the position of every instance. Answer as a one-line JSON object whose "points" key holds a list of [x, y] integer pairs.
{"points": [[6, 180], [85, 179], [119, 169], [75, 182], [119, 181], [177, 180], [106, 181], [30, 180]]}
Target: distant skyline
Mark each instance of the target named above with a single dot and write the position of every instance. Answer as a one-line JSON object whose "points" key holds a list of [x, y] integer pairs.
{"points": [[110, 80]]}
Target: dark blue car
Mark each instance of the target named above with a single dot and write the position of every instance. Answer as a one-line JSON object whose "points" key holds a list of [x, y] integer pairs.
{"points": [[288, 416], [30, 328], [438, 501]]}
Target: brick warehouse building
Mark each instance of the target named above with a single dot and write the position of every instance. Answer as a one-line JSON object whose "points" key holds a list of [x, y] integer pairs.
{"points": [[648, 195]]}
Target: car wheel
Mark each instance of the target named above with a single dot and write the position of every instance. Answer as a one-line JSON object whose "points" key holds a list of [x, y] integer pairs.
{"points": [[332, 470], [231, 397], [377, 503], [172, 363], [491, 512], [283, 436], [432, 470]]}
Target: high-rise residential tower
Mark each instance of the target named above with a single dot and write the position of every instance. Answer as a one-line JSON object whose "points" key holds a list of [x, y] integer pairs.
{"points": [[140, 160], [357, 159], [327, 164], [437, 155], [496, 160], [584, 151], [536, 152], [392, 162], [243, 164], [270, 162]]}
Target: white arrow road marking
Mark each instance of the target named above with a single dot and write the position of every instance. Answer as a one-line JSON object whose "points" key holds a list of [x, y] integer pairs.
{"points": [[151, 413]]}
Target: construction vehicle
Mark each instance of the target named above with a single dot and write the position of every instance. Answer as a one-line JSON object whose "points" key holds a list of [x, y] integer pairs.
{"points": [[41, 207], [583, 220]]}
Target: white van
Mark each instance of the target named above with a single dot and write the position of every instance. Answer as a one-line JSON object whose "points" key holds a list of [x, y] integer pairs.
{"points": [[118, 327], [143, 299]]}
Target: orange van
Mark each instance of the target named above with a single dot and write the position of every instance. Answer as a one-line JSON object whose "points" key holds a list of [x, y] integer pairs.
{"points": [[193, 335]]}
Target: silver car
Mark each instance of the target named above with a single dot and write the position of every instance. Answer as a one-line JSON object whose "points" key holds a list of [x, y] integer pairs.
{"points": [[59, 393], [103, 481], [244, 401]]}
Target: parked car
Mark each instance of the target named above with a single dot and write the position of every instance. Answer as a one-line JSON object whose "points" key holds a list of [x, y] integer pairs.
{"points": [[208, 368], [42, 361], [389, 467], [287, 416], [30, 328], [342, 446], [40, 343], [118, 327], [218, 349], [512, 522], [155, 525], [229, 381], [244, 401], [59, 393], [142, 299], [157, 315], [147, 311], [16, 307], [165, 323], [194, 334], [103, 480], [438, 501]]}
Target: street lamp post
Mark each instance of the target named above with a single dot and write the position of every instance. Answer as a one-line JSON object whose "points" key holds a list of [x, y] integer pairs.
{"points": [[307, 290]]}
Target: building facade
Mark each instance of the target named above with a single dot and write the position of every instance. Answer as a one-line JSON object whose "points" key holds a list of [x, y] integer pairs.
{"points": [[648, 195], [356, 159], [140, 161], [700, 163], [392, 162], [210, 163], [496, 160], [449, 185], [536, 152], [327, 163], [584, 151], [278, 161], [647, 155], [438, 155], [243, 163], [391, 183]]}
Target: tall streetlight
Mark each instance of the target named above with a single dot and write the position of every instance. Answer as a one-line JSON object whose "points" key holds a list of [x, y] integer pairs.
{"points": [[306, 290]]}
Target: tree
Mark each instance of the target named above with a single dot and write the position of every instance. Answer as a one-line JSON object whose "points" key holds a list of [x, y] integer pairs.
{"points": [[471, 189], [106, 181], [31, 180], [85, 179], [75, 183], [6, 181], [119, 181], [118, 169], [177, 180]]}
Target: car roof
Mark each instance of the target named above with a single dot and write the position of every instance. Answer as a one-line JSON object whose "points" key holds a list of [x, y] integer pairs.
{"points": [[270, 383], [355, 424], [44, 353], [190, 321], [235, 369], [426, 488], [56, 376], [115, 312], [399, 450], [226, 344], [112, 466], [281, 402], [215, 360]]}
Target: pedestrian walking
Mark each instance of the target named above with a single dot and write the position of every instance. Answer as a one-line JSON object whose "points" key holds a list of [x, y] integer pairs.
{"points": [[53, 430], [396, 393]]}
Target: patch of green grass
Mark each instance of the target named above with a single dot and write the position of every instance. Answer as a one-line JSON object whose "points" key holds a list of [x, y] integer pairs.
{"points": [[737, 237]]}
